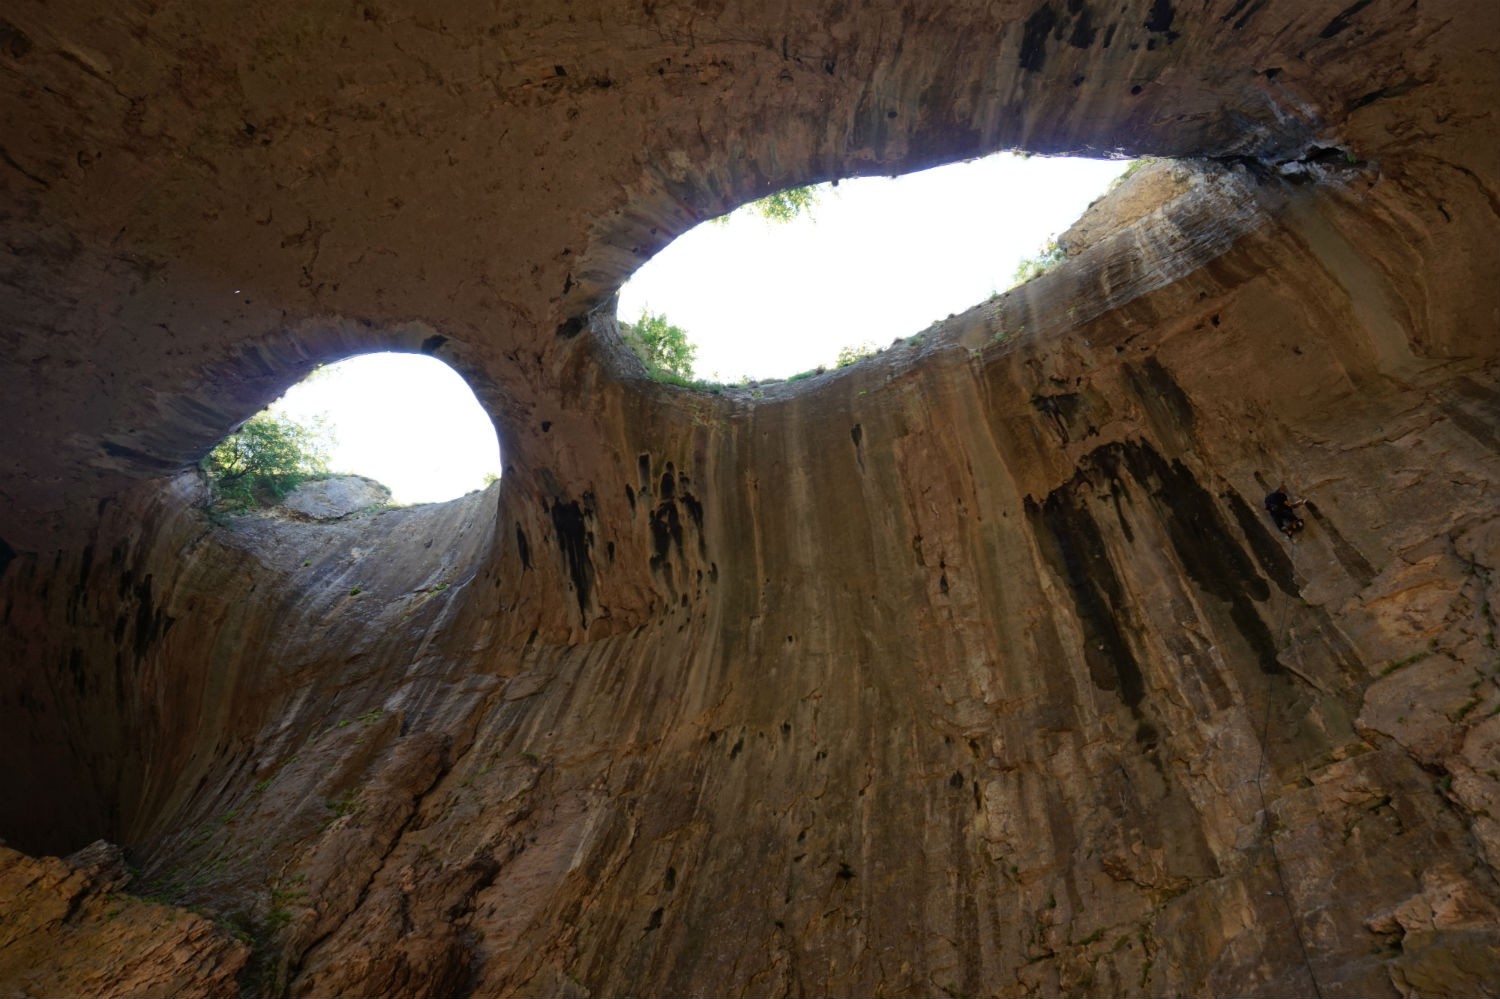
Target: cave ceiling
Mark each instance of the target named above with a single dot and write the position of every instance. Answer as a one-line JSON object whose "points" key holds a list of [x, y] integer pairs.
{"points": [[975, 667]]}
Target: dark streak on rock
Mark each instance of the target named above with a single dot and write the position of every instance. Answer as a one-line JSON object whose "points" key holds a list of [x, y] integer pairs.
{"points": [[432, 343], [1341, 22], [1234, 11], [666, 528], [1268, 552], [1116, 492], [523, 548], [1355, 564], [1063, 410], [1161, 394], [1162, 15], [1084, 31], [1034, 38], [1239, 5], [1406, 86], [76, 670], [13, 40], [1204, 545], [694, 509], [1070, 540], [1481, 430], [148, 623], [139, 457], [573, 538], [1254, 9], [85, 563]]}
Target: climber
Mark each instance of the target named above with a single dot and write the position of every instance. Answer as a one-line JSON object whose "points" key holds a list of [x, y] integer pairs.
{"points": [[1279, 506]]}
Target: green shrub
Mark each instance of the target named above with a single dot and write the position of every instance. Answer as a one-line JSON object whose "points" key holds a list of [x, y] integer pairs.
{"points": [[852, 355], [266, 458], [1048, 257], [783, 206], [664, 349]]}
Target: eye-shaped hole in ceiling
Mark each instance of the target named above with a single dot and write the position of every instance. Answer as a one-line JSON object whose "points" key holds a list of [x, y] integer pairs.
{"points": [[874, 259], [408, 421]]}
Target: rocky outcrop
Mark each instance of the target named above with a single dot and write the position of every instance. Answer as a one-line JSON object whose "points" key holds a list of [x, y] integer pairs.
{"points": [[336, 496], [71, 929], [971, 668]]}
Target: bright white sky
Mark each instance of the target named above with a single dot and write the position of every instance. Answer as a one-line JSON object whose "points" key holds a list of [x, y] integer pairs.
{"points": [[406, 420], [881, 258]]}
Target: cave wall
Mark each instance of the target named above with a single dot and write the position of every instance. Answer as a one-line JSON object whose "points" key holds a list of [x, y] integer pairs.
{"points": [[972, 668]]}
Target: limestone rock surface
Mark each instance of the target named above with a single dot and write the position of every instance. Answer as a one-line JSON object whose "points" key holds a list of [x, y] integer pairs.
{"points": [[67, 927], [336, 496], [973, 668]]}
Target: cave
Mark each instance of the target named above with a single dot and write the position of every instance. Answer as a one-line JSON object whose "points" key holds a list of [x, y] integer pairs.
{"points": [[973, 668]]}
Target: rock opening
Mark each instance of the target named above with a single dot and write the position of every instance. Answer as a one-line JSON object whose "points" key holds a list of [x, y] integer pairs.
{"points": [[408, 421], [767, 292]]}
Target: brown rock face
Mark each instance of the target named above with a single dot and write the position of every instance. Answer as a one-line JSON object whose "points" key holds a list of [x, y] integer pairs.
{"points": [[974, 668], [69, 930]]}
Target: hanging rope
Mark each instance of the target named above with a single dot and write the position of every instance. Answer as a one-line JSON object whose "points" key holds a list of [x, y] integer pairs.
{"points": [[1265, 811]]}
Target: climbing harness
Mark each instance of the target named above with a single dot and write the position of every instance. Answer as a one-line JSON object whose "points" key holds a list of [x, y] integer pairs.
{"points": [[1287, 522], [1265, 811]]}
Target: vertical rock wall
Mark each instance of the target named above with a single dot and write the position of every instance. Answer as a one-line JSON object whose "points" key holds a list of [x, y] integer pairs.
{"points": [[973, 668]]}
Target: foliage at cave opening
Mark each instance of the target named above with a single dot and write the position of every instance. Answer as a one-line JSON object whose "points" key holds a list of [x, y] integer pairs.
{"points": [[266, 458], [782, 206], [854, 354], [1048, 257], [664, 348]]}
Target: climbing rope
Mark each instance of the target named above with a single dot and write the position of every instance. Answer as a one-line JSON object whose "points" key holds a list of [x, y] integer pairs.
{"points": [[1265, 811]]}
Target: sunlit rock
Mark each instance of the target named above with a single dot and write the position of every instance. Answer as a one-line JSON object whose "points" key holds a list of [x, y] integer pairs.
{"points": [[975, 667], [336, 496]]}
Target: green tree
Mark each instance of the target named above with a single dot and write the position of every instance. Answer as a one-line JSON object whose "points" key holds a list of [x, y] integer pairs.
{"points": [[665, 349], [783, 206], [853, 355], [266, 458], [1048, 257]]}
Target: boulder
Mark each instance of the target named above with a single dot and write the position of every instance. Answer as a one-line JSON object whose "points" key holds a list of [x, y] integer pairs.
{"points": [[335, 497]]}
